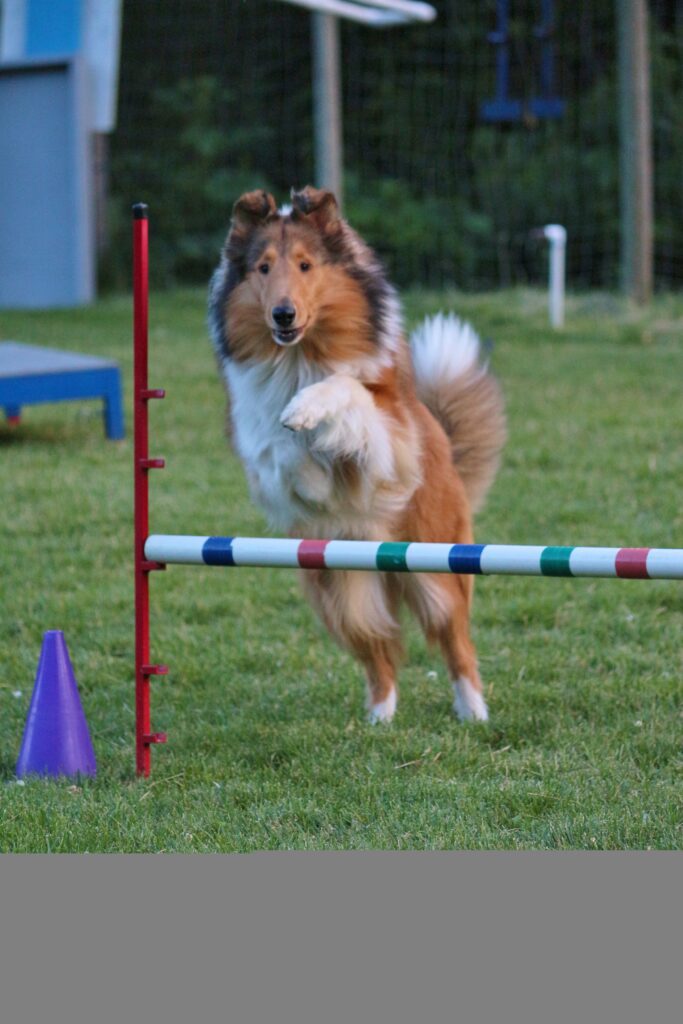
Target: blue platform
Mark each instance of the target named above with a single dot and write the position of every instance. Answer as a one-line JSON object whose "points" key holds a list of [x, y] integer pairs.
{"points": [[30, 375]]}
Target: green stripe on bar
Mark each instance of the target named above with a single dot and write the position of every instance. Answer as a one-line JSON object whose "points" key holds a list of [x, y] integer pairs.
{"points": [[555, 562], [392, 556]]}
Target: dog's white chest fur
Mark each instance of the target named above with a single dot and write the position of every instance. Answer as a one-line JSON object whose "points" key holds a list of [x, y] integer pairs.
{"points": [[288, 480]]}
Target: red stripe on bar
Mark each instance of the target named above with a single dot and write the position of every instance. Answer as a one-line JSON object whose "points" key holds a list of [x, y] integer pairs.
{"points": [[631, 563], [311, 554]]}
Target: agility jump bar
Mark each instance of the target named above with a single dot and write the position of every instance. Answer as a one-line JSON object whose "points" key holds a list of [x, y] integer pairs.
{"points": [[392, 556]]}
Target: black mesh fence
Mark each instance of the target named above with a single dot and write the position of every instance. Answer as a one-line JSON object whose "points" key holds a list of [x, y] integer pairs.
{"points": [[216, 98]]}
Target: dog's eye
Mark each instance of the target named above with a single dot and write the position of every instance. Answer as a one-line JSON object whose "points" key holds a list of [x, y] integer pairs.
{"points": [[264, 268], [304, 266]]}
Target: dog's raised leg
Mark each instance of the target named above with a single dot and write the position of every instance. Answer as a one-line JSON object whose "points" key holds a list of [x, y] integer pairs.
{"points": [[346, 421]]}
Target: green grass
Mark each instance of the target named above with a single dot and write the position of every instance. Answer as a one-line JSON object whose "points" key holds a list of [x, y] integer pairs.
{"points": [[268, 747]]}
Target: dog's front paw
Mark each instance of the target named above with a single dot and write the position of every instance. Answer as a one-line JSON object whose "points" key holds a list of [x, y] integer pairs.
{"points": [[469, 704], [383, 711], [306, 410], [299, 416]]}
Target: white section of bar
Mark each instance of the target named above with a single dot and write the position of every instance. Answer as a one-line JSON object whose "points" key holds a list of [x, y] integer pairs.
{"points": [[351, 554], [274, 551], [515, 560], [428, 557], [665, 564], [180, 550], [594, 562]]}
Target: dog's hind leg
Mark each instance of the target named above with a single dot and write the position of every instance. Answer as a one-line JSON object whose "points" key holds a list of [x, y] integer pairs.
{"points": [[359, 609]]}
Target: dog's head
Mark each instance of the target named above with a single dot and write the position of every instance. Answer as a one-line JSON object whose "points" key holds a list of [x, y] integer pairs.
{"points": [[279, 257]]}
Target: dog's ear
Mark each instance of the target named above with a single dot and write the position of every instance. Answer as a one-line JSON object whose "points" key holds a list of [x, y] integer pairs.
{"points": [[318, 207], [253, 208], [250, 210]]}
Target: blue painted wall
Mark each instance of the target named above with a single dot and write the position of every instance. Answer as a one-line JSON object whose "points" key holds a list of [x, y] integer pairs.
{"points": [[53, 26]]}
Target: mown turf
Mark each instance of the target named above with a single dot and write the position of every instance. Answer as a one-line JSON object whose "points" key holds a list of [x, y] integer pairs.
{"points": [[268, 747]]}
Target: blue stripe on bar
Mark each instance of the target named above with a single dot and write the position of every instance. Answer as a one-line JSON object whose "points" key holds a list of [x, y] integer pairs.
{"points": [[218, 551], [465, 558]]}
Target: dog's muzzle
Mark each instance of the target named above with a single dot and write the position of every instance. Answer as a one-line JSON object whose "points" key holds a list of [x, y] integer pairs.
{"points": [[284, 333], [287, 337]]}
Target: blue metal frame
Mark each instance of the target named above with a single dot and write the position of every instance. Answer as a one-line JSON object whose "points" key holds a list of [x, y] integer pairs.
{"points": [[502, 107], [33, 389]]}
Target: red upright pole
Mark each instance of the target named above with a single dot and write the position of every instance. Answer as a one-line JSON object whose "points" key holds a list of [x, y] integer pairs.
{"points": [[144, 737]]}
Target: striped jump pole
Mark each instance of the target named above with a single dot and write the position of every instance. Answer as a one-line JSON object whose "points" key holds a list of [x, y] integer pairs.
{"points": [[392, 556]]}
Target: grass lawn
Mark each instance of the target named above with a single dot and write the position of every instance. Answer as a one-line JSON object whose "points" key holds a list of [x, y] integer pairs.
{"points": [[268, 747]]}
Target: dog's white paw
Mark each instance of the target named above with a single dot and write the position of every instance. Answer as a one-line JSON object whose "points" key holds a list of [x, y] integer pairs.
{"points": [[306, 410], [383, 711], [469, 704]]}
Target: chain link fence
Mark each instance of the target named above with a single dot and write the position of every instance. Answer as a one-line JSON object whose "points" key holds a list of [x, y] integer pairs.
{"points": [[216, 98]]}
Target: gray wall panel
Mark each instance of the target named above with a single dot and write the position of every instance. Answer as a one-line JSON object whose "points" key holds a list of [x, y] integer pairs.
{"points": [[46, 212]]}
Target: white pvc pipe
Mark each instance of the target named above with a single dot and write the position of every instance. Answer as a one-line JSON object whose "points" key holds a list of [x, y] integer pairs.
{"points": [[557, 237]]}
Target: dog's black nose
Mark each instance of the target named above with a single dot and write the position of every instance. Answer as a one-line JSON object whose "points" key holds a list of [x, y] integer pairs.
{"points": [[284, 315]]}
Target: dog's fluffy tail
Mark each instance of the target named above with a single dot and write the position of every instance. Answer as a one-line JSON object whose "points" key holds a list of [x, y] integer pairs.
{"points": [[465, 398]]}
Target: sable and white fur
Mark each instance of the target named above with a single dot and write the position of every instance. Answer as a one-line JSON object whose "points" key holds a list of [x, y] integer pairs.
{"points": [[346, 432]]}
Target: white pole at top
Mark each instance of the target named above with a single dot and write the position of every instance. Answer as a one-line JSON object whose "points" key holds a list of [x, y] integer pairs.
{"points": [[327, 108]]}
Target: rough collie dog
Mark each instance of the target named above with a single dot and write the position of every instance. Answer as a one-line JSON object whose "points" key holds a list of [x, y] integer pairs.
{"points": [[347, 432]]}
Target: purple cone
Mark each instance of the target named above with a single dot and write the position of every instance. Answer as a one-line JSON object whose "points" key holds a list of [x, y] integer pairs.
{"points": [[56, 738]]}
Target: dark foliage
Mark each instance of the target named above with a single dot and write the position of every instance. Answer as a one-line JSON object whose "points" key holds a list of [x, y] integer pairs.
{"points": [[216, 99]]}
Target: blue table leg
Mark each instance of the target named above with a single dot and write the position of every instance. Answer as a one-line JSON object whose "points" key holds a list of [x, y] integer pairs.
{"points": [[113, 408]]}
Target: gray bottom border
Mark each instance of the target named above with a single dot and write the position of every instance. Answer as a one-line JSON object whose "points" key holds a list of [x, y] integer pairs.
{"points": [[327, 937]]}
